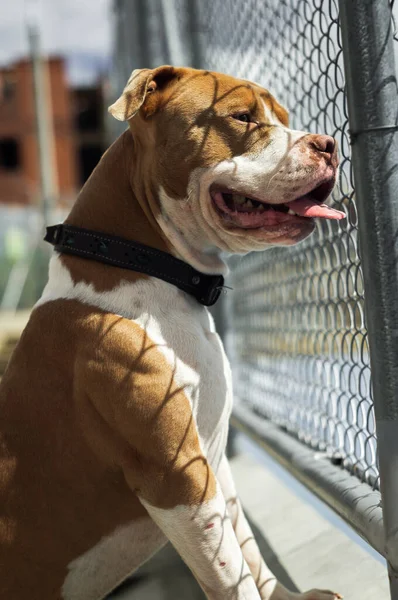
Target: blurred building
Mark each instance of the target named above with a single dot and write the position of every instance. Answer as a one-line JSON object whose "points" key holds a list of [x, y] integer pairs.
{"points": [[76, 143], [19, 164], [76, 130]]}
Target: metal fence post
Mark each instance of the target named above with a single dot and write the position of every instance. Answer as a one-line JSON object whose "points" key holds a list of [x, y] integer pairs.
{"points": [[195, 30], [367, 36], [44, 123], [175, 47]]}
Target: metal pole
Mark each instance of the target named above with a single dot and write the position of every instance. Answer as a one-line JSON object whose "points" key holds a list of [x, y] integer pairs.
{"points": [[195, 30], [43, 124], [367, 37], [175, 47]]}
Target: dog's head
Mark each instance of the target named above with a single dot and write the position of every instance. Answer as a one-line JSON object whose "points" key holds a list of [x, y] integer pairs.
{"points": [[230, 174]]}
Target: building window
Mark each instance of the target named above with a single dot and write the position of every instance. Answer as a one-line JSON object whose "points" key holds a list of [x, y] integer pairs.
{"points": [[10, 159], [9, 87]]}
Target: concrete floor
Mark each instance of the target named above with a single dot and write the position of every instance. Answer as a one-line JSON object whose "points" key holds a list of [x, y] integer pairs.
{"points": [[300, 545]]}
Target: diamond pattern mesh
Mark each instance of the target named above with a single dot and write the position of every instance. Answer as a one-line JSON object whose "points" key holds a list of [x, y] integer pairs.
{"points": [[301, 353]]}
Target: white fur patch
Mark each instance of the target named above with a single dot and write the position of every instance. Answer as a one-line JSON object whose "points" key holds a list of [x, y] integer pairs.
{"points": [[267, 174], [263, 576], [204, 537]]}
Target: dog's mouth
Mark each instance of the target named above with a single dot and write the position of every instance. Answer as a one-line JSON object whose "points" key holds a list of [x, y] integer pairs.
{"points": [[251, 213]]}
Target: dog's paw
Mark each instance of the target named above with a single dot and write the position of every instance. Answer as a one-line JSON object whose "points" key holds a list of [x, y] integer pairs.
{"points": [[281, 593]]}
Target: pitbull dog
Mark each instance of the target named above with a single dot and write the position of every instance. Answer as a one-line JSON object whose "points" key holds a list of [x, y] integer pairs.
{"points": [[114, 408]]}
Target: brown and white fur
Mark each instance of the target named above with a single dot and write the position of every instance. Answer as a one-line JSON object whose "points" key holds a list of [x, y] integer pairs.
{"points": [[114, 408]]}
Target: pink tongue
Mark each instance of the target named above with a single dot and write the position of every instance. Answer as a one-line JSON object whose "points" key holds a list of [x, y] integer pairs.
{"points": [[308, 208]]}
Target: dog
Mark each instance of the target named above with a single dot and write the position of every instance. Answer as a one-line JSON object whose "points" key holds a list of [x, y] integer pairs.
{"points": [[116, 401]]}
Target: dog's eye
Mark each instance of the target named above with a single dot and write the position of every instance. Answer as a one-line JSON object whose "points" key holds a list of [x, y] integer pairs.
{"points": [[244, 117]]}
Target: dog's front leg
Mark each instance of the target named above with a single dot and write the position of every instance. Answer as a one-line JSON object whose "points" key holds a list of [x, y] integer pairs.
{"points": [[267, 584], [204, 537], [263, 576], [141, 422]]}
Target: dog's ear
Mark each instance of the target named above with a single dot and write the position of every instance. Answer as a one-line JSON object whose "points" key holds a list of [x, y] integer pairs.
{"points": [[141, 83]]}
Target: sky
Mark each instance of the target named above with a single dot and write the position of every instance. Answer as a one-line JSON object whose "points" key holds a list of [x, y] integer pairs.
{"points": [[79, 29]]}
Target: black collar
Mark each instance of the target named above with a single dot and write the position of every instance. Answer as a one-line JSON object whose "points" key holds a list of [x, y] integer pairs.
{"points": [[119, 252]]}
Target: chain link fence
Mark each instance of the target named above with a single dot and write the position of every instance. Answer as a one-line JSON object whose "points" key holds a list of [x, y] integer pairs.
{"points": [[295, 322], [301, 352]]}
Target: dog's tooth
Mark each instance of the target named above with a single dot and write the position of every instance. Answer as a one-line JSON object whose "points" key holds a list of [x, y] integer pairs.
{"points": [[290, 212], [261, 208], [249, 203]]}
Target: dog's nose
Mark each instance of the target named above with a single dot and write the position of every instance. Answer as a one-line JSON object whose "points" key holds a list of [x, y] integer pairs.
{"points": [[322, 143]]}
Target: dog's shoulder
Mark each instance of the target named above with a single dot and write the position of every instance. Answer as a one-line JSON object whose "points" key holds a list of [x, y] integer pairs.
{"points": [[127, 391]]}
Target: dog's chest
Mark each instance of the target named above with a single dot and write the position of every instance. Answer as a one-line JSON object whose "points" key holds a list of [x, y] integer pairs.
{"points": [[182, 330]]}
